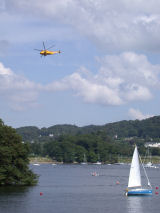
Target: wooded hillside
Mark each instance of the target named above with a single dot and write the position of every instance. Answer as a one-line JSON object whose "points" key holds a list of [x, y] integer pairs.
{"points": [[148, 128], [69, 143]]}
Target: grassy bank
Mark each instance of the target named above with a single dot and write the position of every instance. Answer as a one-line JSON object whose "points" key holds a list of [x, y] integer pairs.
{"points": [[154, 159], [40, 160]]}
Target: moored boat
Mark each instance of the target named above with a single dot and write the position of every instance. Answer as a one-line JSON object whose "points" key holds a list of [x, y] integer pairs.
{"points": [[134, 182]]}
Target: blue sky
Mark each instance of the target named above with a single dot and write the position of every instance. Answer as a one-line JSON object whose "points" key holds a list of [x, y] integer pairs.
{"points": [[109, 69]]}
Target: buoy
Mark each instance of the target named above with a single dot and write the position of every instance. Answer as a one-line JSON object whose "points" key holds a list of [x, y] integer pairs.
{"points": [[157, 187], [41, 193], [156, 193]]}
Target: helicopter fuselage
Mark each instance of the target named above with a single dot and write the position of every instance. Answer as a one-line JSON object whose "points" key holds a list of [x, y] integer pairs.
{"points": [[47, 52]]}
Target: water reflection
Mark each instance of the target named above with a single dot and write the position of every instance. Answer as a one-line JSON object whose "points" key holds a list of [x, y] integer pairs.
{"points": [[14, 199], [134, 204], [8, 190]]}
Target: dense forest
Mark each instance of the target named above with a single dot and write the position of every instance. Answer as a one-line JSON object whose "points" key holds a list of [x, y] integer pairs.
{"points": [[69, 143], [14, 161], [69, 148], [148, 128]]}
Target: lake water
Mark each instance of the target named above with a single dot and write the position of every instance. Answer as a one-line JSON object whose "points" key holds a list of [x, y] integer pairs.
{"points": [[72, 189]]}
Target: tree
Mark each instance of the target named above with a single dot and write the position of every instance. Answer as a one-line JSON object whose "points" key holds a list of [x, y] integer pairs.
{"points": [[53, 150], [80, 152], [68, 152], [14, 160], [92, 157]]}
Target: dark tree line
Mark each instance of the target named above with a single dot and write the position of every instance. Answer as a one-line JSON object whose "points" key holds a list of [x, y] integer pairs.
{"points": [[69, 143], [146, 129], [69, 148]]}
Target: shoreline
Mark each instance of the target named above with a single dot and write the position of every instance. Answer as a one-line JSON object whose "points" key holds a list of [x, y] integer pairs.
{"points": [[46, 160]]}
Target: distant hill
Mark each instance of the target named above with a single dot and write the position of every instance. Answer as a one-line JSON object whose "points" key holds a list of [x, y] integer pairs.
{"points": [[29, 133], [145, 128]]}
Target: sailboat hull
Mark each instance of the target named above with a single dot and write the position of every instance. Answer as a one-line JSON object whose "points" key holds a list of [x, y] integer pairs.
{"points": [[141, 192]]}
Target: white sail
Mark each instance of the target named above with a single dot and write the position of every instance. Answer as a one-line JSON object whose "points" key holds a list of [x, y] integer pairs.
{"points": [[84, 160], [135, 176]]}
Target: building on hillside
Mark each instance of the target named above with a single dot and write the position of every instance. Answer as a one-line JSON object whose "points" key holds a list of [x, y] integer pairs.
{"points": [[152, 145]]}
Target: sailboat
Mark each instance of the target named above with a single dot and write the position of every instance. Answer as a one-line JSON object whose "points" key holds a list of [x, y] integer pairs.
{"points": [[134, 183], [98, 162], [149, 164], [84, 160]]}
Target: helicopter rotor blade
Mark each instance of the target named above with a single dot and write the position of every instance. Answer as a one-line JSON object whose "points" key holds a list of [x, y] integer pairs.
{"points": [[50, 47], [37, 50], [44, 45]]}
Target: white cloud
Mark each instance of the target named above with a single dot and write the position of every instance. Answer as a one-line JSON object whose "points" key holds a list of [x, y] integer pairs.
{"points": [[121, 79], [137, 92], [17, 91], [93, 91], [5, 71], [112, 25], [137, 114]]}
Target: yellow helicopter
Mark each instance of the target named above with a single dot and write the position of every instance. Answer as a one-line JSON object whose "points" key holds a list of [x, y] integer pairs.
{"points": [[46, 51]]}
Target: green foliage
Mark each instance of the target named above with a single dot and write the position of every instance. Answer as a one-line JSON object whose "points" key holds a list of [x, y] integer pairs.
{"points": [[69, 148], [28, 133], [148, 128], [68, 143], [92, 157], [14, 161]]}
